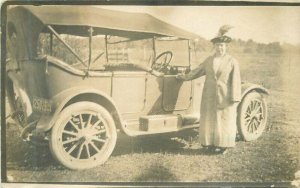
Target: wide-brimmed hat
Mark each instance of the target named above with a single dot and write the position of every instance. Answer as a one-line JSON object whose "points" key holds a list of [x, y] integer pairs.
{"points": [[221, 37]]}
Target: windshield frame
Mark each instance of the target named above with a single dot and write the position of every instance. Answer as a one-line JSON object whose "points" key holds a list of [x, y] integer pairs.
{"points": [[172, 39]]}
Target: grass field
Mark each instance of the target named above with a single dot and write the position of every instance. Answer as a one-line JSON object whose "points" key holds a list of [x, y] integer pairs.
{"points": [[274, 157]]}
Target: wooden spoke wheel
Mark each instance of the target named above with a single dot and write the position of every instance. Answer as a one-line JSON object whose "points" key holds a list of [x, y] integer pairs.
{"points": [[83, 136], [252, 116]]}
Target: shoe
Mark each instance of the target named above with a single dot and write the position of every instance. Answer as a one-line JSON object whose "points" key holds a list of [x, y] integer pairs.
{"points": [[207, 148], [221, 150]]}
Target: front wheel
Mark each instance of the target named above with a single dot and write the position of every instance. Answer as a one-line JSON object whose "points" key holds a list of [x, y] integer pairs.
{"points": [[83, 136], [252, 116]]}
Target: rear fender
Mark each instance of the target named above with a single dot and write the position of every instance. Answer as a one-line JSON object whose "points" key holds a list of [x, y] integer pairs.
{"points": [[72, 95]]}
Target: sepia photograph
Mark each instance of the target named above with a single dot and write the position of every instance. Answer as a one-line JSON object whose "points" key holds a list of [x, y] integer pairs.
{"points": [[142, 94]]}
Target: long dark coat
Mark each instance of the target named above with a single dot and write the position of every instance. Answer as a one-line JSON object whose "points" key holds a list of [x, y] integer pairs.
{"points": [[222, 91]]}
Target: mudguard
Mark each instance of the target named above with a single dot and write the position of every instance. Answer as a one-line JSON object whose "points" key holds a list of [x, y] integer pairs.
{"points": [[248, 87], [61, 100]]}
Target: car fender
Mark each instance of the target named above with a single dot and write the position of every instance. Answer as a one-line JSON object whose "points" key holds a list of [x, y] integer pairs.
{"points": [[249, 87], [63, 99]]}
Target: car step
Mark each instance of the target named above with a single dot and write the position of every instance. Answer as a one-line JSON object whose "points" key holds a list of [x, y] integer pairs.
{"points": [[190, 119], [165, 122], [160, 122]]}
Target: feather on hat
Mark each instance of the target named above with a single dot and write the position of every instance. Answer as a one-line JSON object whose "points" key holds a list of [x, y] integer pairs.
{"points": [[221, 37]]}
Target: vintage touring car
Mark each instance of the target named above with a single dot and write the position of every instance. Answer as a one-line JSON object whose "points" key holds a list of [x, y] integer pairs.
{"points": [[77, 74]]}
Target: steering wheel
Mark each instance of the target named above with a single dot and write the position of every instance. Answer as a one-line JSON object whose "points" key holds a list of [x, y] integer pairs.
{"points": [[163, 60]]}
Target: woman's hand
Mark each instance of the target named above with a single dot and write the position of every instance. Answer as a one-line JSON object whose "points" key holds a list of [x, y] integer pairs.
{"points": [[160, 74], [156, 73], [180, 77]]}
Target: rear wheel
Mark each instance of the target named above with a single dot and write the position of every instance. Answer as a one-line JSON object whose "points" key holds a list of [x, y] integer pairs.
{"points": [[252, 116], [83, 136]]}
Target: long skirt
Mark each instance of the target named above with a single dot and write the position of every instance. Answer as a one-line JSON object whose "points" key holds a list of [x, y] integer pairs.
{"points": [[218, 126]]}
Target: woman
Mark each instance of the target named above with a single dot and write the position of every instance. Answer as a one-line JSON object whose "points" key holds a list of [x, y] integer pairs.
{"points": [[221, 94]]}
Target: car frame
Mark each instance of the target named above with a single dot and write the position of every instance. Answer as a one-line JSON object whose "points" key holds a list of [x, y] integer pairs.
{"points": [[77, 111]]}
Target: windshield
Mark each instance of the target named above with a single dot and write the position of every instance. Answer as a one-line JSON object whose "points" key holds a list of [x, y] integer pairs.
{"points": [[178, 48]]}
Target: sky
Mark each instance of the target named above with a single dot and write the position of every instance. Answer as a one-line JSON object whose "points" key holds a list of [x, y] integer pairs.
{"points": [[260, 23]]}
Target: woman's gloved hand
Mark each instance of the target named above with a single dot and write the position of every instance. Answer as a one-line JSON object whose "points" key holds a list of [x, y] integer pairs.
{"points": [[180, 77]]}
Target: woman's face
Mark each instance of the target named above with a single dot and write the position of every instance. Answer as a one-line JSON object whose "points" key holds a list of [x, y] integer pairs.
{"points": [[221, 48]]}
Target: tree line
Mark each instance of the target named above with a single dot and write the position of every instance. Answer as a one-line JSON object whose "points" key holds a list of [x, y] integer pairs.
{"points": [[251, 47]]}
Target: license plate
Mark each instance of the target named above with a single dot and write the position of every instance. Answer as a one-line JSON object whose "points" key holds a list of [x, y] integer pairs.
{"points": [[41, 105]]}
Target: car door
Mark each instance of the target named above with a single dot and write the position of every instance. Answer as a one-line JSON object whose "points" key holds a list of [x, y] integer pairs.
{"points": [[177, 95], [128, 91]]}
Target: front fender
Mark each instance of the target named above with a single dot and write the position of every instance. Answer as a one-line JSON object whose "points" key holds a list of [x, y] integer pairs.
{"points": [[248, 87], [61, 100]]}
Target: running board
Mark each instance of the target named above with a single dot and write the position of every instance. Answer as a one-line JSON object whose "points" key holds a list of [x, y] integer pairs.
{"points": [[155, 124], [160, 122], [141, 133]]}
